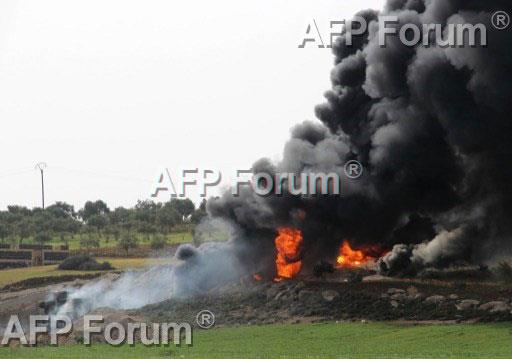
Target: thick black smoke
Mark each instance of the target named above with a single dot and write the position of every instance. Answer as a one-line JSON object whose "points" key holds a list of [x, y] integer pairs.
{"points": [[432, 127]]}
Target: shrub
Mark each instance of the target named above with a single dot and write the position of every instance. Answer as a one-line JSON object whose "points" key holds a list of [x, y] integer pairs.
{"points": [[83, 262]]}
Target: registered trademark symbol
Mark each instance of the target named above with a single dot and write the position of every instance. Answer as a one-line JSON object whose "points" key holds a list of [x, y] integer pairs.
{"points": [[500, 20], [205, 319], [353, 169]]}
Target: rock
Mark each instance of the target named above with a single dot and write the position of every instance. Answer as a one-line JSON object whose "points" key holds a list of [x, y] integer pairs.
{"points": [[412, 291], [496, 306], [330, 295], [392, 291], [281, 295], [272, 292], [300, 286], [384, 295], [394, 303], [435, 299], [453, 296], [467, 304], [111, 276], [418, 296], [398, 296], [355, 278]]}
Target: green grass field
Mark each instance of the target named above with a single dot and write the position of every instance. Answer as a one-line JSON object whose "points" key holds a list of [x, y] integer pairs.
{"points": [[330, 340], [8, 276], [107, 242]]}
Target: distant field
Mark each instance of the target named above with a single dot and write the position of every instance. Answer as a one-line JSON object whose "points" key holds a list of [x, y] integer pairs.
{"points": [[347, 340], [183, 235], [105, 242], [9, 276]]}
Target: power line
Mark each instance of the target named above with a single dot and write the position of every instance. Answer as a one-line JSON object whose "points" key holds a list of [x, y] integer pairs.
{"points": [[102, 174], [15, 173]]}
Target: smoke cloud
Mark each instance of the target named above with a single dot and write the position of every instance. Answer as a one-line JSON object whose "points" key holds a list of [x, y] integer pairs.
{"points": [[194, 271], [431, 127]]}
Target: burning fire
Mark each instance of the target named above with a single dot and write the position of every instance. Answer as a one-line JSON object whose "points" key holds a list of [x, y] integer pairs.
{"points": [[351, 258], [288, 242]]}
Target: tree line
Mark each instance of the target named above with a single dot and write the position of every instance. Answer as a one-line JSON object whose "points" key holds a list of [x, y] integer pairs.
{"points": [[96, 220]]}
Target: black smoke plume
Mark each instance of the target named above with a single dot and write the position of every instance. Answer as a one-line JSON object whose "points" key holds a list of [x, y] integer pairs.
{"points": [[432, 126]]}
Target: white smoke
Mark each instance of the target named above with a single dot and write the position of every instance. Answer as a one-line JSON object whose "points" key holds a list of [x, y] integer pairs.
{"points": [[409, 259], [444, 244], [194, 271]]}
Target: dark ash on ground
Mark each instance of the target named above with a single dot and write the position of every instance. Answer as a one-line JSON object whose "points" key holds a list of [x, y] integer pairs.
{"points": [[306, 301]]}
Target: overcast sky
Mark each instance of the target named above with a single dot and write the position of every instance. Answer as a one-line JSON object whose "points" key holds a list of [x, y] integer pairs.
{"points": [[106, 92]]}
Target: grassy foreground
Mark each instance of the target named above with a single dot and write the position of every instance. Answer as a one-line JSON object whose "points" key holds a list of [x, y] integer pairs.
{"points": [[9, 276], [331, 340]]}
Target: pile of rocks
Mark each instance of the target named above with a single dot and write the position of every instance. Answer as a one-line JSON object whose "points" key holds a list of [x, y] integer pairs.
{"points": [[496, 307], [297, 291], [399, 297], [305, 301]]}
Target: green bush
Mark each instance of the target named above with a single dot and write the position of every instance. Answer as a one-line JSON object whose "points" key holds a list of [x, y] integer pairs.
{"points": [[83, 262]]}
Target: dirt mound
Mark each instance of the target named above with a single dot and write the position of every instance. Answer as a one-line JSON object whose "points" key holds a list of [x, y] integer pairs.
{"points": [[299, 301], [110, 315], [44, 281]]}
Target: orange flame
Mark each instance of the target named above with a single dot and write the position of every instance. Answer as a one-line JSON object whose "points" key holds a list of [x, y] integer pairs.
{"points": [[288, 242], [257, 277], [351, 258]]}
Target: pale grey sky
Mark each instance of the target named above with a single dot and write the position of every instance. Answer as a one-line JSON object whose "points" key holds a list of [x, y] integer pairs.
{"points": [[105, 92]]}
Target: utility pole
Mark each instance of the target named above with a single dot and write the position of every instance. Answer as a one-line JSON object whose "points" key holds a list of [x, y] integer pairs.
{"points": [[41, 166]]}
